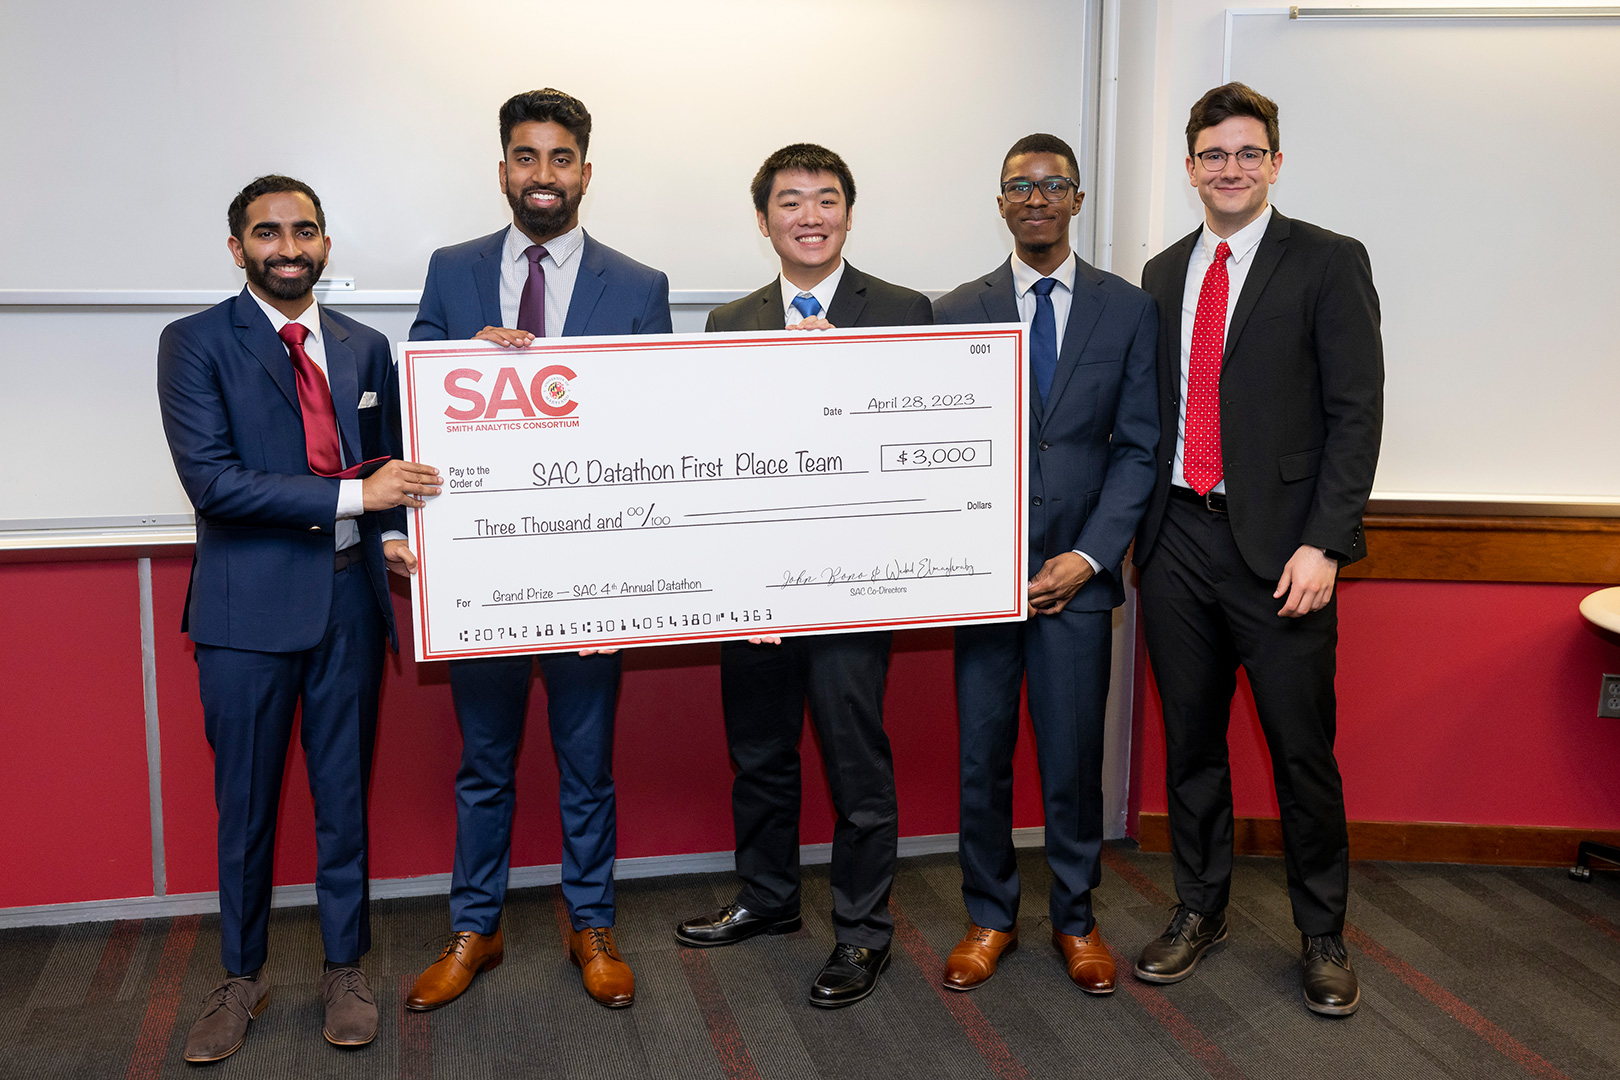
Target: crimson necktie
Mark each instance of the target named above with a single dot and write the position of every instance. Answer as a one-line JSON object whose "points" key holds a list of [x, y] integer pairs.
{"points": [[1201, 463], [315, 402], [532, 305]]}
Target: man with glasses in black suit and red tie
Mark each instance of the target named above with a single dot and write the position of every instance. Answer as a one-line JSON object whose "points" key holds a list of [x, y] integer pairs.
{"points": [[1271, 379]]}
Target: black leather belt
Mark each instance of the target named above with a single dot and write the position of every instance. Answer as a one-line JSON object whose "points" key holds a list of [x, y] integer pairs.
{"points": [[346, 558], [1214, 502]]}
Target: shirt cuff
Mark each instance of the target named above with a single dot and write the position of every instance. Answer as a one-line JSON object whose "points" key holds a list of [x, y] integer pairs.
{"points": [[351, 499], [1096, 567], [393, 534]]}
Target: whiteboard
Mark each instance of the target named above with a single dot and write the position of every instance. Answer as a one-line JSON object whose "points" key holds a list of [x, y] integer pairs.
{"points": [[1477, 160], [129, 127]]}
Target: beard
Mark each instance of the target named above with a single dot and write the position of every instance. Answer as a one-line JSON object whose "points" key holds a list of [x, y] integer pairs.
{"points": [[285, 288], [536, 222]]}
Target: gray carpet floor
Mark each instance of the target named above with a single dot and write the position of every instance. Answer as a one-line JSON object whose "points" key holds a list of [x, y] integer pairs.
{"points": [[1465, 972]]}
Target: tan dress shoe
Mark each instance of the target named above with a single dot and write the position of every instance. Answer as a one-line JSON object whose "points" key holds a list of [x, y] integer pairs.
{"points": [[974, 958], [607, 977], [1091, 965], [465, 955]]}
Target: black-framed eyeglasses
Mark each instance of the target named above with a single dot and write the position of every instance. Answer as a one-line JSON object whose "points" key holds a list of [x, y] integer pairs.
{"points": [[1053, 187], [1248, 158]]}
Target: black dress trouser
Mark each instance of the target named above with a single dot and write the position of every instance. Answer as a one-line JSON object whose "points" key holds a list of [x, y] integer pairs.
{"points": [[1204, 613], [764, 689]]}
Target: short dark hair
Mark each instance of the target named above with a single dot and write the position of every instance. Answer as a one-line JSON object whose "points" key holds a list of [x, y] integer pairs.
{"points": [[1041, 143], [1225, 102], [547, 106], [801, 157], [273, 184]]}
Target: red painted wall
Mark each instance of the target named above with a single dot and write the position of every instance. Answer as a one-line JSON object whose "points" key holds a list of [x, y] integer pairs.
{"points": [[1458, 702], [73, 785], [670, 763]]}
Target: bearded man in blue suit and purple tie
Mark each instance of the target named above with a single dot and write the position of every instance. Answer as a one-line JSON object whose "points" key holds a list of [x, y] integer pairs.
{"points": [[278, 413], [1093, 425], [542, 276]]}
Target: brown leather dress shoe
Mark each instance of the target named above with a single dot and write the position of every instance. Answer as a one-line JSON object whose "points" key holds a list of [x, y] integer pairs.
{"points": [[974, 958], [607, 977], [465, 955], [1091, 965]]}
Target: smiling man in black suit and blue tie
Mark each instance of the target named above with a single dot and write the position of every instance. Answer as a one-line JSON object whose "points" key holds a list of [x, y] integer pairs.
{"points": [[804, 196], [1093, 425]]}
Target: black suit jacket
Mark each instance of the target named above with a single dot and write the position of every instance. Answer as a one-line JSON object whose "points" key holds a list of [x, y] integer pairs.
{"points": [[1302, 394], [861, 300], [1091, 446]]}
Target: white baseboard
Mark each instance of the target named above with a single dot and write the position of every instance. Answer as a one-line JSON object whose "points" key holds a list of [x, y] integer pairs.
{"points": [[522, 877]]}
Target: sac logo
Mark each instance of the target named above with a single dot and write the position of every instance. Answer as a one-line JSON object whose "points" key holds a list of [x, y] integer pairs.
{"points": [[547, 396]]}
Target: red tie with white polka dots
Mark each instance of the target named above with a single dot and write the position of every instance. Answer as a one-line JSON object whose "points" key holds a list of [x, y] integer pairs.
{"points": [[1201, 463]]}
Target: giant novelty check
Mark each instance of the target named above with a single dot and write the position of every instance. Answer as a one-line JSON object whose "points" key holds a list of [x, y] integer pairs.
{"points": [[624, 491]]}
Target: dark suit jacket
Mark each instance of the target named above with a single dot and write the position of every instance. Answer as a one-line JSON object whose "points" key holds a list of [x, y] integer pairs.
{"points": [[1091, 446], [613, 293], [1302, 394], [261, 577], [861, 300]]}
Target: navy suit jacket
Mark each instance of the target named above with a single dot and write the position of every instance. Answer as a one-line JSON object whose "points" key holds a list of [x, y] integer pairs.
{"points": [[261, 576], [1091, 445], [613, 293]]}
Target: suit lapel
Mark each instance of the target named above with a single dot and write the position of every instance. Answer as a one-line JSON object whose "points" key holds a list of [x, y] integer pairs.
{"points": [[1000, 297], [588, 289], [850, 300], [768, 315], [1170, 303], [1266, 257], [254, 332], [1086, 306], [343, 377], [487, 277]]}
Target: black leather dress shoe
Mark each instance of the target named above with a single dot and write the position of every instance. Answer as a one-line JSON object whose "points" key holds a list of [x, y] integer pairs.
{"points": [[1331, 988], [1172, 956], [731, 924], [849, 974]]}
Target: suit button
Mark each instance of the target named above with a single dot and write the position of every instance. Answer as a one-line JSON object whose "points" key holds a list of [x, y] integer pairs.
{"points": [[1045, 445], [1036, 500]]}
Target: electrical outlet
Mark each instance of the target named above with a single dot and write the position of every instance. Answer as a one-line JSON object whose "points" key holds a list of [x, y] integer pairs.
{"points": [[1609, 697]]}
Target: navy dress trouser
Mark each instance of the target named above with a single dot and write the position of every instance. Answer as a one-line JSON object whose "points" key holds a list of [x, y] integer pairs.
{"points": [[1066, 658], [249, 700], [492, 700]]}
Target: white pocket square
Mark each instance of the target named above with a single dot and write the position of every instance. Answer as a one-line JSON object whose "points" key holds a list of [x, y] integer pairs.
{"points": [[368, 400]]}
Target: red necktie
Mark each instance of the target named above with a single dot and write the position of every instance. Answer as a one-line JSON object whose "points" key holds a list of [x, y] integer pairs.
{"points": [[1201, 462], [315, 402]]}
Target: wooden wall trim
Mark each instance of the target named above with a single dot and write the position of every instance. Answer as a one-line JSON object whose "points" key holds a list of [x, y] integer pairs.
{"points": [[1410, 841], [1424, 547]]}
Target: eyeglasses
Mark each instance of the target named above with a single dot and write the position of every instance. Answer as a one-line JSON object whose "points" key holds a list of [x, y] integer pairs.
{"points": [[1053, 187], [1248, 158]]}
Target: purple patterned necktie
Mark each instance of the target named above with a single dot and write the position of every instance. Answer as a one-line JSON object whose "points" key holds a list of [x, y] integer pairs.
{"points": [[532, 307]]}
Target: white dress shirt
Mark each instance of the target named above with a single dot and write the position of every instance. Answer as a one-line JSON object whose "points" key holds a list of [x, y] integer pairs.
{"points": [[351, 498], [561, 264], [823, 292], [1062, 296], [1243, 244]]}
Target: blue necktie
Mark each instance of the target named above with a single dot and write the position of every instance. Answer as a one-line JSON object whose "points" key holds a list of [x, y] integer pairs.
{"points": [[1043, 338], [808, 306]]}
